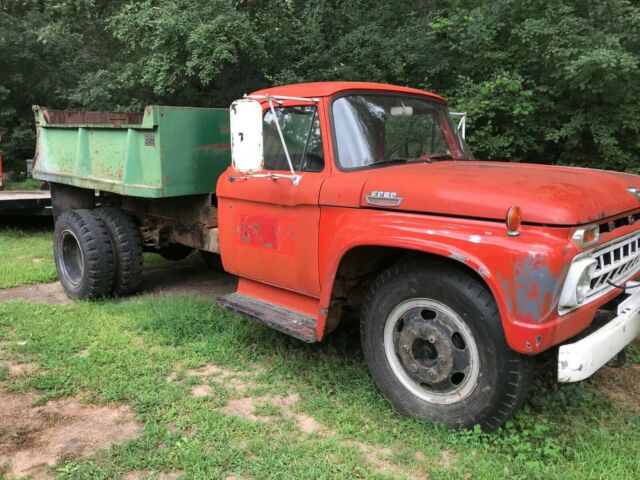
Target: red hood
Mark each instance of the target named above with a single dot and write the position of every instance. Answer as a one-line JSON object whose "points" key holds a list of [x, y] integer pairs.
{"points": [[546, 194]]}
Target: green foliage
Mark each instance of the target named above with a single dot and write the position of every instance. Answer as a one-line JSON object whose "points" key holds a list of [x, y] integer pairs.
{"points": [[543, 81]]}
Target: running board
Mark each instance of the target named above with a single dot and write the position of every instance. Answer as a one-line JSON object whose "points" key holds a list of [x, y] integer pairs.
{"points": [[296, 324]]}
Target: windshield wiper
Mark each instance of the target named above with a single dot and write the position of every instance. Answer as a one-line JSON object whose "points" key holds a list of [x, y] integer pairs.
{"points": [[441, 156], [390, 161]]}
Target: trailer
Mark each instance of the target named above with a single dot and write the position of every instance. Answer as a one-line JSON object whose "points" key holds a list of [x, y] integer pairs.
{"points": [[335, 197], [25, 202]]}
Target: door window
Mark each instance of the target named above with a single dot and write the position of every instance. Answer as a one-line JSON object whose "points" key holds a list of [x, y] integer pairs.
{"points": [[301, 131]]}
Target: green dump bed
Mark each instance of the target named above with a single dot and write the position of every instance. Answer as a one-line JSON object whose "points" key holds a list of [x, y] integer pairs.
{"points": [[161, 152]]}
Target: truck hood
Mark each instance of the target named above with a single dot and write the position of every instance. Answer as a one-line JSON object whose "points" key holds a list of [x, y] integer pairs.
{"points": [[546, 194]]}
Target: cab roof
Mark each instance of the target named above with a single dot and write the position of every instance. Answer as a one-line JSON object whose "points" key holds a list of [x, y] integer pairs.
{"points": [[326, 89]]}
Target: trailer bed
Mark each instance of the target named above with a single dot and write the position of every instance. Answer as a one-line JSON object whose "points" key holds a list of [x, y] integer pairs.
{"points": [[25, 202]]}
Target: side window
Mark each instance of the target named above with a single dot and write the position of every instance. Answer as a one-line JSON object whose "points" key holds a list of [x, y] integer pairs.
{"points": [[301, 131]]}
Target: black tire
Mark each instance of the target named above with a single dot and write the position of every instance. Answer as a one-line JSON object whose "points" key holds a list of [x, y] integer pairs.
{"points": [[444, 343], [212, 260], [127, 248], [175, 251], [83, 255]]}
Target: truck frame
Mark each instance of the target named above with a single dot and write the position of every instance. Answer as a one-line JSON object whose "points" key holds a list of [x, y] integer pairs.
{"points": [[334, 197]]}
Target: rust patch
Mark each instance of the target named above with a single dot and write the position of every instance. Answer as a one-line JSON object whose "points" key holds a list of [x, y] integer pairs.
{"points": [[533, 291], [35, 438], [74, 117]]}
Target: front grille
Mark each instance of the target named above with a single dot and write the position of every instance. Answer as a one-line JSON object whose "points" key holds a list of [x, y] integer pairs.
{"points": [[611, 225], [617, 262]]}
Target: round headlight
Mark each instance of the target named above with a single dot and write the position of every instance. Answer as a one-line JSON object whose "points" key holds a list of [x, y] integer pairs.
{"points": [[583, 286], [577, 284]]}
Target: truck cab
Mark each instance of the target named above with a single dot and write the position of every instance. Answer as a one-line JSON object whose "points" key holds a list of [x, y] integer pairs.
{"points": [[389, 213], [348, 199]]}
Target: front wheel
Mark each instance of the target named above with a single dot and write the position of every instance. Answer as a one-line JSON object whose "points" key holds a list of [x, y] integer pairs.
{"points": [[432, 337]]}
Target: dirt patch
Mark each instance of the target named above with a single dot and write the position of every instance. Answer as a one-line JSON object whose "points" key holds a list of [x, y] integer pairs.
{"points": [[18, 369], [447, 459], [49, 293], [238, 382], [34, 438], [192, 279], [201, 391], [245, 407], [620, 385], [308, 424], [381, 459], [272, 408]]}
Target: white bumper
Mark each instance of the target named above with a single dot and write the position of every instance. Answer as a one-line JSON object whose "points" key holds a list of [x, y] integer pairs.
{"points": [[580, 360]]}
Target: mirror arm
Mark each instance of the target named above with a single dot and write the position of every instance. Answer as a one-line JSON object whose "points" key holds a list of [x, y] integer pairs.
{"points": [[295, 178], [462, 123]]}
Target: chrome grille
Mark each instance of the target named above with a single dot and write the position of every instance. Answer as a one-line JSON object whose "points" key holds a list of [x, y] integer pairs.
{"points": [[617, 262]]}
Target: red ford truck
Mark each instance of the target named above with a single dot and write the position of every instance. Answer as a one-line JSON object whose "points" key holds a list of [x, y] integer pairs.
{"points": [[331, 197]]}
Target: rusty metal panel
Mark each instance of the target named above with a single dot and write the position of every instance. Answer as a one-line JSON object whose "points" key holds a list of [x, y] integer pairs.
{"points": [[161, 152], [76, 117]]}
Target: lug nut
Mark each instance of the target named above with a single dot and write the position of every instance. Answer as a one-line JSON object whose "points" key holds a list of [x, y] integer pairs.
{"points": [[432, 374], [432, 339], [440, 359], [405, 348], [414, 368]]}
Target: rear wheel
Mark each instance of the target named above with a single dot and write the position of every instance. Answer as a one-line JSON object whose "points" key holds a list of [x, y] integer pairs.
{"points": [[127, 248], [434, 343], [83, 255]]}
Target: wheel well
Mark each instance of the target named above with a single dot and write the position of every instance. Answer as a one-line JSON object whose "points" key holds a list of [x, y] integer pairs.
{"points": [[67, 197], [358, 269]]}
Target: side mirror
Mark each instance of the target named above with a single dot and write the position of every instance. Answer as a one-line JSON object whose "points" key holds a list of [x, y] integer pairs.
{"points": [[246, 136]]}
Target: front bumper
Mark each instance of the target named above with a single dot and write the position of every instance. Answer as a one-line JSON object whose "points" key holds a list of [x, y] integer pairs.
{"points": [[581, 359]]}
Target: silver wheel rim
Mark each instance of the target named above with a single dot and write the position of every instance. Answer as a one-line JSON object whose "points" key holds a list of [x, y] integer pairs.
{"points": [[431, 351], [71, 258]]}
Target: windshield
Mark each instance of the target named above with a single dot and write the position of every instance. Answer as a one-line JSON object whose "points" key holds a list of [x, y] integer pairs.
{"points": [[374, 129]]}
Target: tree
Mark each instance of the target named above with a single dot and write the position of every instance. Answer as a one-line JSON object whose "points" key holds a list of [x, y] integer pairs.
{"points": [[542, 81]]}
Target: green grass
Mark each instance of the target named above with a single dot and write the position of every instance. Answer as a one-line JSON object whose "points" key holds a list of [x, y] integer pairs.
{"points": [[27, 184], [564, 432], [25, 257]]}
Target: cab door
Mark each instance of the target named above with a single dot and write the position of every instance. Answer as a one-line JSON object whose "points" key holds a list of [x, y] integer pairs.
{"points": [[269, 227]]}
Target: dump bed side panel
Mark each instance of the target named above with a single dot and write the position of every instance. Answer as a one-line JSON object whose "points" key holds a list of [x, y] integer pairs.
{"points": [[161, 152], [195, 148]]}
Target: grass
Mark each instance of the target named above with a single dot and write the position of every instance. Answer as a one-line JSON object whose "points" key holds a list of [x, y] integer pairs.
{"points": [[568, 432], [27, 258], [26, 184], [128, 348]]}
